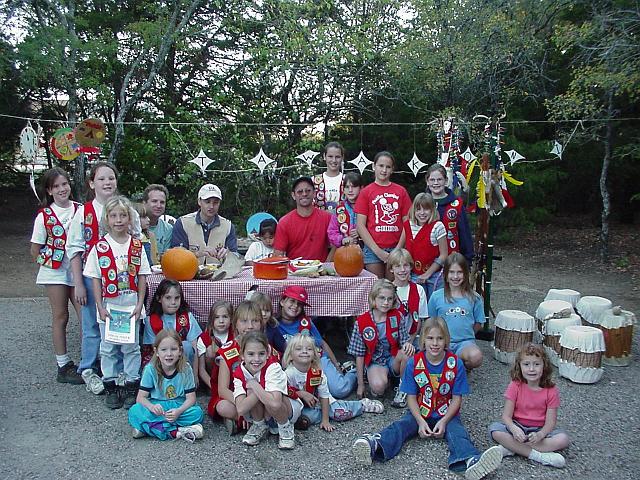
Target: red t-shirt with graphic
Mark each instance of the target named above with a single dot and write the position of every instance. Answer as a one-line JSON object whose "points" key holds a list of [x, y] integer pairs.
{"points": [[384, 207]]}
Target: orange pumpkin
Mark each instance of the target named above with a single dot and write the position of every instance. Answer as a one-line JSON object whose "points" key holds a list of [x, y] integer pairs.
{"points": [[348, 261], [179, 264]]}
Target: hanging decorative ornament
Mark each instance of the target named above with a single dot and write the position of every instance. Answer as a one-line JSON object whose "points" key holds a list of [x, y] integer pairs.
{"points": [[468, 155], [63, 144], [361, 161], [202, 161], [415, 164], [261, 160], [513, 156], [29, 143], [90, 132], [557, 149], [32, 184], [308, 157]]}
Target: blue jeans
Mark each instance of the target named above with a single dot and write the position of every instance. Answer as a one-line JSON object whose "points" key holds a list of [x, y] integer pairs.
{"points": [[90, 330], [340, 411], [340, 384], [116, 357], [393, 437]]}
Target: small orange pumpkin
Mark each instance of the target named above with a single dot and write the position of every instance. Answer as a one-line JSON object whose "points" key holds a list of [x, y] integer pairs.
{"points": [[179, 264], [348, 261]]}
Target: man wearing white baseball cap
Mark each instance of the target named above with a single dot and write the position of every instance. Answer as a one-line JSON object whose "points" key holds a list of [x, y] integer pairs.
{"points": [[204, 232]]}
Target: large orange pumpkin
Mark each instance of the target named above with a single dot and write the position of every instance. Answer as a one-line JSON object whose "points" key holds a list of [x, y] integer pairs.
{"points": [[348, 261], [179, 264]]}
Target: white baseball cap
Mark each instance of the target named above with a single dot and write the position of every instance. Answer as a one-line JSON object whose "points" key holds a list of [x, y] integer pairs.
{"points": [[209, 190]]}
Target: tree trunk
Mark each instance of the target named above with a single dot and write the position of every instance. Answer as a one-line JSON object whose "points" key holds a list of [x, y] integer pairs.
{"points": [[604, 191]]}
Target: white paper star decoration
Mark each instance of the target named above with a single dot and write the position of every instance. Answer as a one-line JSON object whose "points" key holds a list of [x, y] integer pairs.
{"points": [[513, 156], [415, 164], [361, 161], [308, 157], [444, 158], [557, 149], [261, 160], [202, 161], [468, 155]]}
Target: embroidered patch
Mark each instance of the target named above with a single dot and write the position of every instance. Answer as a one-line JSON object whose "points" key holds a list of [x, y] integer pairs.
{"points": [[452, 214], [111, 289], [424, 411], [102, 247], [444, 389], [315, 381], [57, 231], [182, 320], [418, 265], [452, 225], [443, 409], [342, 218], [449, 376], [88, 234], [369, 333], [453, 244], [111, 274], [421, 379], [451, 362], [47, 211], [59, 242], [88, 218], [104, 262], [420, 364], [227, 344], [135, 260], [233, 353], [449, 235], [132, 270], [58, 255], [428, 393], [455, 203], [393, 320]]}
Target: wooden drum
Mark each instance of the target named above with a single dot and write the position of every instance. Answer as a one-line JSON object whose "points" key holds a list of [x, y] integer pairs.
{"points": [[564, 294], [591, 308], [551, 309], [617, 327], [581, 351], [552, 330], [513, 329]]}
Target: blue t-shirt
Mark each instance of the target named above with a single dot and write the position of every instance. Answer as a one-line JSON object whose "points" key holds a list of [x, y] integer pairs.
{"points": [[276, 340], [174, 387], [460, 314], [410, 387], [290, 330]]}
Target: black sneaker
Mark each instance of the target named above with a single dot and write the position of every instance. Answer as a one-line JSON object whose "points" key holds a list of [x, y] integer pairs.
{"points": [[129, 394], [113, 399], [68, 374]]}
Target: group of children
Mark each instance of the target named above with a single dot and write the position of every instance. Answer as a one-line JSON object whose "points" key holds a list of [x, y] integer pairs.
{"points": [[267, 374]]}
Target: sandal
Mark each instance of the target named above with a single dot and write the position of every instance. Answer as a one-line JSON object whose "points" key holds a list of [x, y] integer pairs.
{"points": [[372, 406]]}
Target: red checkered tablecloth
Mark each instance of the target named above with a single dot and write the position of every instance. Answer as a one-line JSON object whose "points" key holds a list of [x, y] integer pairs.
{"points": [[328, 296]]}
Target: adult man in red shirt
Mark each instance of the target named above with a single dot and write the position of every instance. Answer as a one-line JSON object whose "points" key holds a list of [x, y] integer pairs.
{"points": [[302, 233]]}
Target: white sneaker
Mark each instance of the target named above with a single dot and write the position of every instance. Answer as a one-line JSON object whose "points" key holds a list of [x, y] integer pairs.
{"points": [[256, 432], [286, 441], [400, 399], [553, 459], [364, 448], [190, 433], [93, 381], [137, 433], [372, 406], [505, 451], [121, 379], [480, 466]]}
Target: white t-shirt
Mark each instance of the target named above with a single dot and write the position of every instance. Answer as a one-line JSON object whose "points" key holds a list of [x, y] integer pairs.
{"points": [[202, 348], [54, 276], [298, 380], [436, 234], [257, 251], [275, 380], [423, 304], [332, 190], [126, 297]]}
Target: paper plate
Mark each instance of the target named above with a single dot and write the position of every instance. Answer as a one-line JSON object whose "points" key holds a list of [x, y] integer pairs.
{"points": [[64, 145], [90, 132]]}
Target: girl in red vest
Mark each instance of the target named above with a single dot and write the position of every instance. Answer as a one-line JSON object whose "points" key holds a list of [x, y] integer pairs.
{"points": [[169, 309], [379, 340], [425, 238], [328, 185], [452, 212], [381, 208], [260, 393], [308, 383], [530, 413], [246, 318], [217, 333], [434, 381], [118, 267], [342, 228], [48, 243]]}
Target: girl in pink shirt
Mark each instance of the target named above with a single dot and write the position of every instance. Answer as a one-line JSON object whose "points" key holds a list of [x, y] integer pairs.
{"points": [[528, 425]]}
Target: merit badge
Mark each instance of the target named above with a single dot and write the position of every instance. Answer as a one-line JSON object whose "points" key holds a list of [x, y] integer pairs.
{"points": [[449, 375], [415, 317], [344, 228], [315, 381], [424, 411], [449, 235], [88, 218], [455, 203], [58, 255], [51, 221], [135, 260], [57, 230], [444, 389], [452, 225], [443, 409], [420, 364], [368, 334], [342, 217], [320, 195], [182, 320], [317, 179], [49, 241], [111, 289], [48, 252], [452, 214], [104, 262], [59, 242], [102, 247], [453, 244], [132, 270], [428, 392], [47, 211], [421, 379], [418, 265], [451, 362], [111, 274], [88, 233], [393, 321], [227, 344], [231, 353]]}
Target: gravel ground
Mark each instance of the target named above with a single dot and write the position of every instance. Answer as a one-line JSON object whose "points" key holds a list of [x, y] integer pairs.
{"points": [[52, 430]]}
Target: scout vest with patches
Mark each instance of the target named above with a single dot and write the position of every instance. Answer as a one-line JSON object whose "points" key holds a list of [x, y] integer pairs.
{"points": [[208, 340], [421, 249], [430, 399], [52, 253], [343, 215], [109, 270], [217, 235], [450, 218], [91, 230], [311, 384], [181, 324], [320, 195], [239, 374], [369, 332], [411, 309]]}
